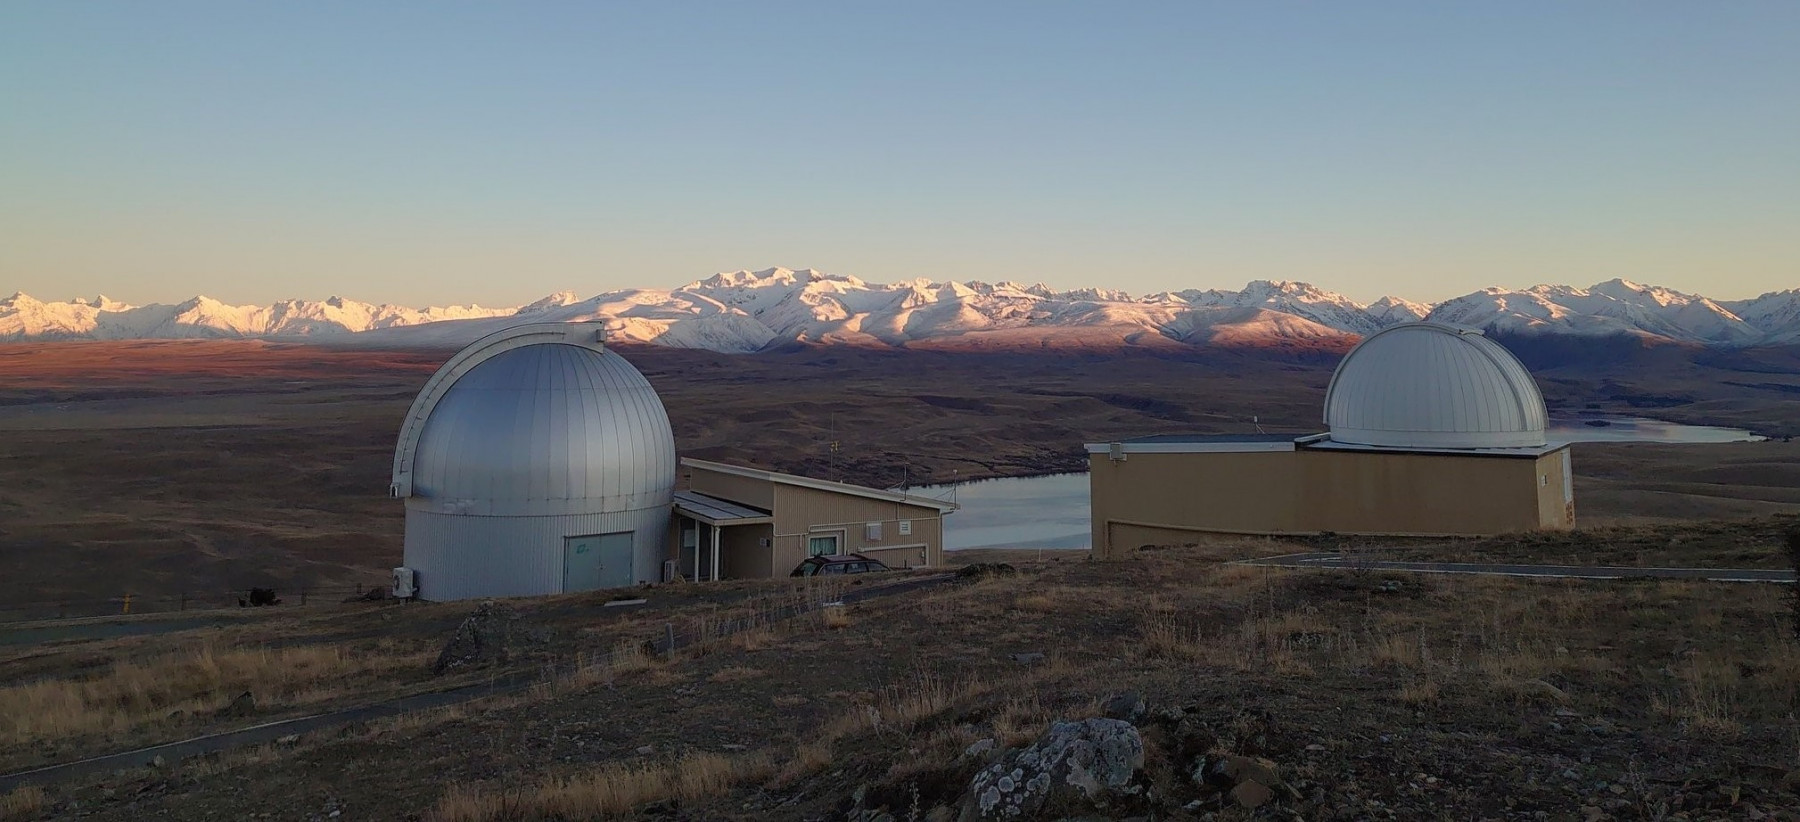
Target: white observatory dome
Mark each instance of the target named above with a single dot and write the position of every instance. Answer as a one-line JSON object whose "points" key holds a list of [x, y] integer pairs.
{"points": [[1432, 385], [527, 455]]}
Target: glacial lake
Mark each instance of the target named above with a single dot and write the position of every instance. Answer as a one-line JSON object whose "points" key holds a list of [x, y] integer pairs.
{"points": [[1052, 511]]}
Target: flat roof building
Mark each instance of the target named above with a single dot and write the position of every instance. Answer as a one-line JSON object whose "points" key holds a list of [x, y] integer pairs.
{"points": [[736, 522], [1433, 430]]}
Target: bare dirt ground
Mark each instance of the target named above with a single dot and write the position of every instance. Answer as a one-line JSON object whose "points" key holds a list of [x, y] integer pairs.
{"points": [[194, 470], [1367, 696]]}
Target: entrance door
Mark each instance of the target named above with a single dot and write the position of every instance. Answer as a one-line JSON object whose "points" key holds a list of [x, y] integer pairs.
{"points": [[595, 562]]}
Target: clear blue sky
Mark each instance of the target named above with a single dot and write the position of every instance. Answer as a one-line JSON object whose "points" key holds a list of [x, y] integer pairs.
{"points": [[495, 152]]}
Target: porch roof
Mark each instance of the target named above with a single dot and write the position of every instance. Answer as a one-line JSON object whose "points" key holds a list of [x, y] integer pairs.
{"points": [[715, 511]]}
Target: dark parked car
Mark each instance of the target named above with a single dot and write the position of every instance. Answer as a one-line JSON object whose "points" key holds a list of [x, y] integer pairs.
{"points": [[837, 564]]}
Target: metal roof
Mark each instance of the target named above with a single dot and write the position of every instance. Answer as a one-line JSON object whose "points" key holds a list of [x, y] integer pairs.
{"points": [[537, 420], [1433, 385], [715, 511], [942, 506], [1206, 438], [1199, 444], [1528, 451]]}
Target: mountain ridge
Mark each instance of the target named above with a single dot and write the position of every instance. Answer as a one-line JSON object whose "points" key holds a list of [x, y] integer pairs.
{"points": [[745, 311]]}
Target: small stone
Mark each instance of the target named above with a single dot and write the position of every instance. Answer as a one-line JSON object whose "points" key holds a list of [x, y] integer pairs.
{"points": [[1315, 747], [156, 761], [1125, 705], [243, 704], [978, 748], [288, 740], [1252, 794], [735, 747], [646, 750], [1028, 658]]}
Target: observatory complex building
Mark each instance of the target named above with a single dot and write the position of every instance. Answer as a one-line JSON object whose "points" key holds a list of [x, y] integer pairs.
{"points": [[536, 461], [1433, 429]]}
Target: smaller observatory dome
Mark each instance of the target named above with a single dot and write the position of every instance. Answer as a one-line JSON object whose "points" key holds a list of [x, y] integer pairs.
{"points": [[1433, 385]]}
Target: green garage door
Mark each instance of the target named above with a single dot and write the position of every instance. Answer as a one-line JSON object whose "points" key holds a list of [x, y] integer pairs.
{"points": [[592, 563]]}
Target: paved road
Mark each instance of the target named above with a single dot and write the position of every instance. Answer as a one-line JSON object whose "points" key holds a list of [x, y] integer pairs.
{"points": [[1341, 562], [273, 731]]}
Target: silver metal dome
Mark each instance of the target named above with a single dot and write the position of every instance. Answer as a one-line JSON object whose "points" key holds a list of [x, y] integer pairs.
{"points": [[1433, 385], [535, 461]]}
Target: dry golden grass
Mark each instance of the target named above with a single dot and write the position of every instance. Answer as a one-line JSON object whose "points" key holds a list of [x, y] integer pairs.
{"points": [[735, 673], [613, 790], [834, 617], [808, 759], [22, 803], [194, 682]]}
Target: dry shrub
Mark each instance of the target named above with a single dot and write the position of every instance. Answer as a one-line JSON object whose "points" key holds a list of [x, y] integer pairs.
{"points": [[22, 803], [1707, 701], [1036, 603], [1165, 638], [197, 681], [736, 673], [613, 790], [1420, 692], [834, 617], [901, 707], [1020, 720], [808, 759], [1401, 650]]}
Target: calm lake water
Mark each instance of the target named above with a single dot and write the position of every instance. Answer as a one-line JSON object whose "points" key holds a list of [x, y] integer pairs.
{"points": [[1638, 429], [1052, 511]]}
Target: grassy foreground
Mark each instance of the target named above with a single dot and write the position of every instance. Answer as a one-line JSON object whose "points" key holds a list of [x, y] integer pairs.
{"points": [[1370, 695]]}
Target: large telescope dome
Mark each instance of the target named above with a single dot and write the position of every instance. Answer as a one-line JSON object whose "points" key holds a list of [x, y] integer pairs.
{"points": [[535, 461], [1433, 385]]}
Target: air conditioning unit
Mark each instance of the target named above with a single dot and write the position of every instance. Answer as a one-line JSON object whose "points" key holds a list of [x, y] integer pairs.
{"points": [[405, 583], [668, 570]]}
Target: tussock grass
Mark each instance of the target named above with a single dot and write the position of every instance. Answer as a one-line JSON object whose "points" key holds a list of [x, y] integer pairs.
{"points": [[735, 673], [198, 681], [22, 803], [834, 617], [613, 790]]}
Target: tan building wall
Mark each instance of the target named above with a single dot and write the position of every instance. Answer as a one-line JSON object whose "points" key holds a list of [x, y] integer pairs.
{"points": [[742, 554], [801, 513], [1251, 492], [1170, 498]]}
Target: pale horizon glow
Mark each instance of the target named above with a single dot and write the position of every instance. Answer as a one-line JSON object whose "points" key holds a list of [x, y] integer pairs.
{"points": [[452, 154]]}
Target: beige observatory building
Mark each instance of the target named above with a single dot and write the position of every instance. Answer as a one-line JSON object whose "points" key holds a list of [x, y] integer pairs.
{"points": [[1433, 429]]}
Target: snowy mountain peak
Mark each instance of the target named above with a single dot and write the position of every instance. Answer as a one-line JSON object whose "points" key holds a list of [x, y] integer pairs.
{"points": [[748, 310]]}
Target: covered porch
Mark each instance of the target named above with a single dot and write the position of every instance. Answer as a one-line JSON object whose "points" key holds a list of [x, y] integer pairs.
{"points": [[720, 539]]}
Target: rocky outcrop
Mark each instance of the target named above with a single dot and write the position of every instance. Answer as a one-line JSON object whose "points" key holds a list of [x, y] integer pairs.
{"points": [[1075, 767], [493, 634]]}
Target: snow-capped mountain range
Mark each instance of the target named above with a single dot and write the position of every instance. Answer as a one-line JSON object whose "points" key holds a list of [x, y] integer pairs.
{"points": [[745, 311]]}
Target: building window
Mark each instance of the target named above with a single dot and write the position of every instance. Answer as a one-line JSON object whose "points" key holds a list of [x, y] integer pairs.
{"points": [[821, 546]]}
